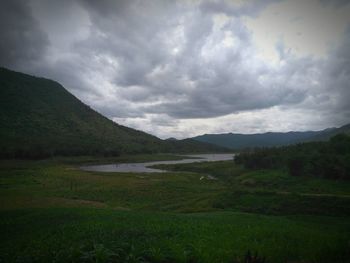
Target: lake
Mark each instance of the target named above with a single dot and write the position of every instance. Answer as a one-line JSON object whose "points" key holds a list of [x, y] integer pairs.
{"points": [[145, 167]]}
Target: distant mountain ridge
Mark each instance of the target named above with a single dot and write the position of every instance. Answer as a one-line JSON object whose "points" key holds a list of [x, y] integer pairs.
{"points": [[238, 141], [40, 118]]}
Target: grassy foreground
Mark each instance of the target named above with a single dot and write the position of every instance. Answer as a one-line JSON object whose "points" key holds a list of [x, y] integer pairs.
{"points": [[69, 235], [50, 211]]}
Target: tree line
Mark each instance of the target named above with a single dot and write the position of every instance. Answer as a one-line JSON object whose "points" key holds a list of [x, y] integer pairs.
{"points": [[329, 159]]}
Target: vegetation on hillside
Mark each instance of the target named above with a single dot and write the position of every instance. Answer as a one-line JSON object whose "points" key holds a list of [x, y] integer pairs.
{"points": [[39, 118], [269, 139], [319, 159]]}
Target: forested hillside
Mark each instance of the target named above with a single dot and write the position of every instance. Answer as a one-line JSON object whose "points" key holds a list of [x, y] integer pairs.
{"points": [[39, 118], [329, 159], [270, 139]]}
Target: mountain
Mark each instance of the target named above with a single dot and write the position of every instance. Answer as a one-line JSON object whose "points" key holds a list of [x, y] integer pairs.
{"points": [[190, 146], [171, 139], [328, 133], [269, 139], [40, 118]]}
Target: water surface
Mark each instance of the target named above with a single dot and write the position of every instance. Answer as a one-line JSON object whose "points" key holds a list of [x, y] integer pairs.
{"points": [[144, 167]]}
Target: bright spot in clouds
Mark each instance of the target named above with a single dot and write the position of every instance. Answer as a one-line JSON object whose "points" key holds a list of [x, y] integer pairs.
{"points": [[304, 27]]}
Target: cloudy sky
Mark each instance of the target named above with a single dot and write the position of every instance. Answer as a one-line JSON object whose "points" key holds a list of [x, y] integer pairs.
{"points": [[184, 68]]}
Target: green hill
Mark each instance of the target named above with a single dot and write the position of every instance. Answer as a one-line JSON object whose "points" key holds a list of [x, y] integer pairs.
{"points": [[269, 139], [324, 159], [40, 118]]}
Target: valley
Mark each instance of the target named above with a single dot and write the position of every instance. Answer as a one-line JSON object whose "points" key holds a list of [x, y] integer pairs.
{"points": [[77, 187]]}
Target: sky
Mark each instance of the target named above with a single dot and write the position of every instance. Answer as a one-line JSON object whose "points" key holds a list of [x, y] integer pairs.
{"points": [[185, 68]]}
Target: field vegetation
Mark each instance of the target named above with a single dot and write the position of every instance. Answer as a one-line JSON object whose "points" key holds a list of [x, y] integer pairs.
{"points": [[51, 211]]}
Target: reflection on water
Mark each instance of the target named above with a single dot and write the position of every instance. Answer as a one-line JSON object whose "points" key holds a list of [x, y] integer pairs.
{"points": [[144, 167]]}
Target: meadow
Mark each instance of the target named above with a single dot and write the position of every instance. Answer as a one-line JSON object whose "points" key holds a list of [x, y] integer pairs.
{"points": [[51, 211]]}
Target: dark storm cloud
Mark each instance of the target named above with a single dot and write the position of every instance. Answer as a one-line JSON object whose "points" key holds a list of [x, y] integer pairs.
{"points": [[22, 41], [193, 83], [179, 59], [132, 33], [226, 82]]}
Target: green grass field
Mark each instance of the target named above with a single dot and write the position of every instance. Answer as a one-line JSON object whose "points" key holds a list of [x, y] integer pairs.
{"points": [[53, 212]]}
